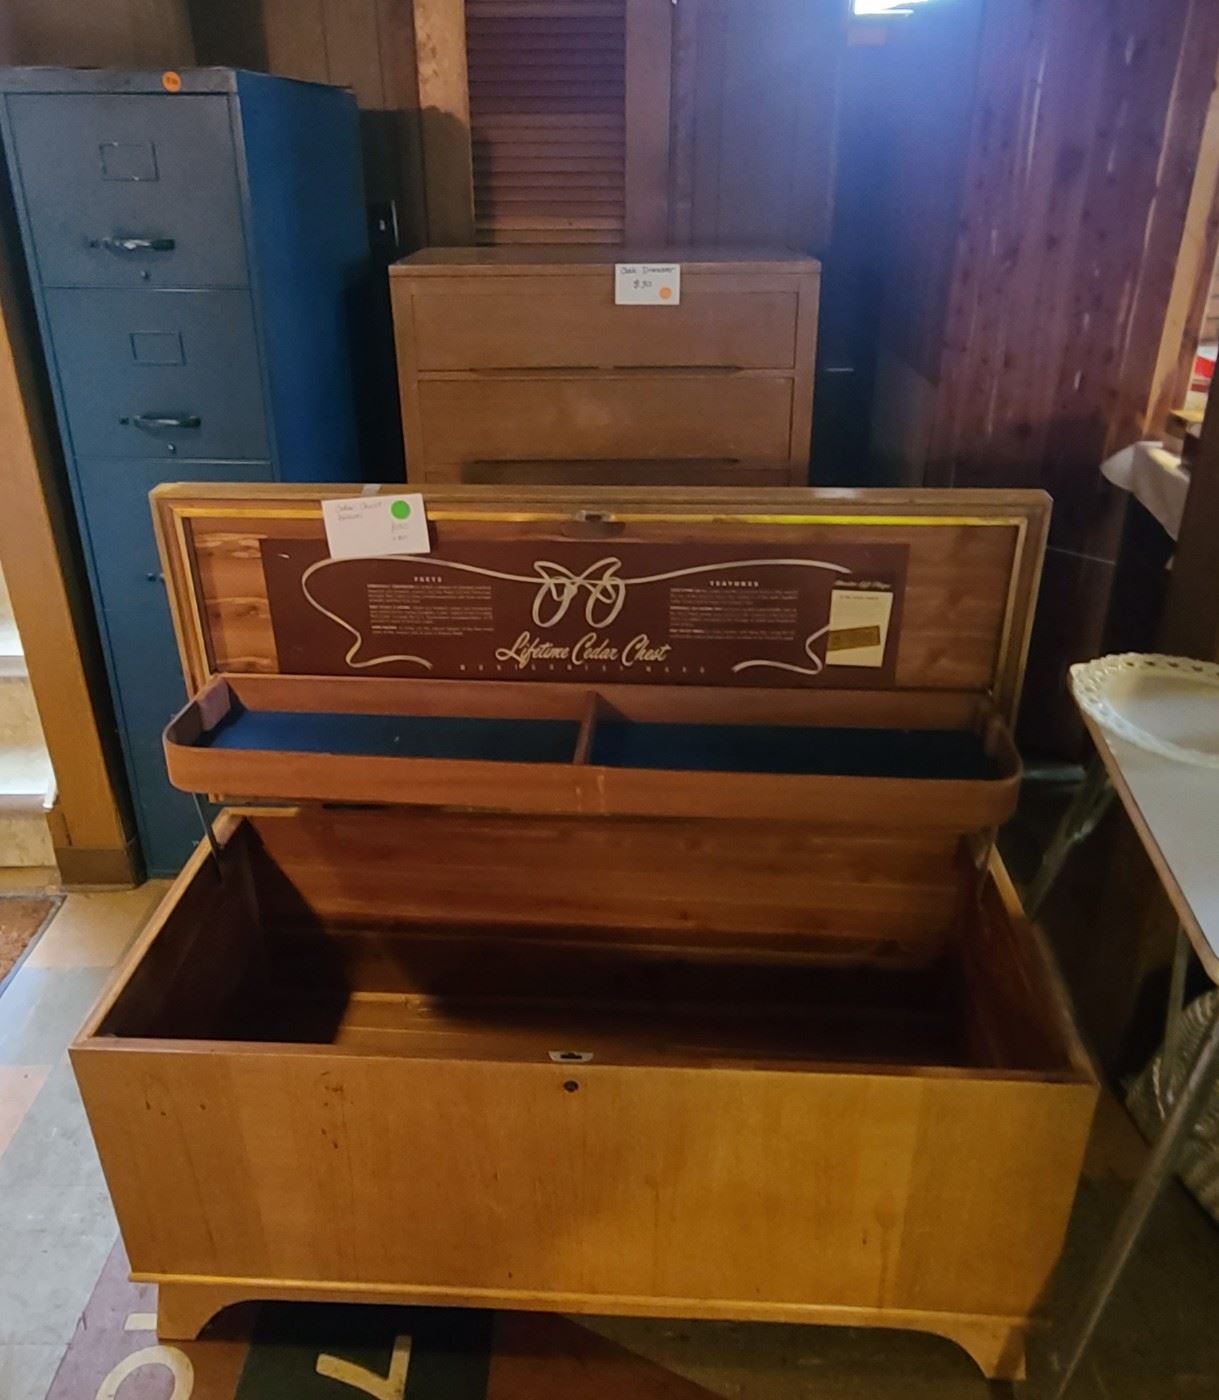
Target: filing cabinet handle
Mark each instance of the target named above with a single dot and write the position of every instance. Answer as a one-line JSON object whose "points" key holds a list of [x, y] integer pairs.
{"points": [[153, 421], [138, 245]]}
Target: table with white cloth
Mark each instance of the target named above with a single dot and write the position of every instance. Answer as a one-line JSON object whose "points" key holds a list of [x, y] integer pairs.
{"points": [[1155, 477], [1174, 808]]}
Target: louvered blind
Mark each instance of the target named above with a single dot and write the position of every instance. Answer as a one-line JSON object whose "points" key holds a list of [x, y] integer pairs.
{"points": [[547, 119]]}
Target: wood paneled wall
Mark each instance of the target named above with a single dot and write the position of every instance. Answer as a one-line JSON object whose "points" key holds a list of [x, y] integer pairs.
{"points": [[754, 121], [96, 33], [1075, 187], [751, 89], [928, 68], [367, 45]]}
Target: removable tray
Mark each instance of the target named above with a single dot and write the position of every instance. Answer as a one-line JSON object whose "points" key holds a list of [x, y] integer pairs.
{"points": [[610, 751]]}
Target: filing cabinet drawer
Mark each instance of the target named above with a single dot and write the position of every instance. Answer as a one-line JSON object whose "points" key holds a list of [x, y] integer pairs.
{"points": [[127, 190], [148, 686], [159, 374], [119, 522]]}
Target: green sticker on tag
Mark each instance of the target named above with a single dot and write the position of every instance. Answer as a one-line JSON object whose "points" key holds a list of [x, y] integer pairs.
{"points": [[400, 510]]}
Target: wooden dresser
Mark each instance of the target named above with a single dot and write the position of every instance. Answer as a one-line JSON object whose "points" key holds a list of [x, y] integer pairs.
{"points": [[516, 366], [629, 937]]}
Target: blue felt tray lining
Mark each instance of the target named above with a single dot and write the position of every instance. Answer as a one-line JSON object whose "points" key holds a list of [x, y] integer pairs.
{"points": [[859, 753], [397, 736], [791, 749]]}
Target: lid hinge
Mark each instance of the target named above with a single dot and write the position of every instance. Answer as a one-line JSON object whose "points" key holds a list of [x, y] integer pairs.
{"points": [[981, 846], [216, 848]]}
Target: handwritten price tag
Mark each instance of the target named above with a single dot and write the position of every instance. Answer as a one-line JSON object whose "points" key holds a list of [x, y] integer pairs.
{"points": [[363, 527], [647, 284]]}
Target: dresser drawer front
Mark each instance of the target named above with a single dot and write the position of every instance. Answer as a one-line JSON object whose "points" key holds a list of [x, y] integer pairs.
{"points": [[708, 416], [130, 191], [574, 322], [160, 374]]}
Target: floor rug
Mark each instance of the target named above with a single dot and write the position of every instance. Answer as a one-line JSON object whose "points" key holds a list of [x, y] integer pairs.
{"points": [[22, 919], [306, 1351], [1157, 1341]]}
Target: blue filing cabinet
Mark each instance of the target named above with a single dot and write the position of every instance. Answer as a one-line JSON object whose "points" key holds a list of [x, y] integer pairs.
{"points": [[196, 244]]}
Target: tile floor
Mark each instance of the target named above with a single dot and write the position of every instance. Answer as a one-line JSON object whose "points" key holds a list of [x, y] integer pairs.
{"points": [[56, 1223], [57, 1228]]}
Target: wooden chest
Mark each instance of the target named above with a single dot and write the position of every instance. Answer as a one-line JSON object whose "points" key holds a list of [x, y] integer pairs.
{"points": [[628, 937], [516, 366]]}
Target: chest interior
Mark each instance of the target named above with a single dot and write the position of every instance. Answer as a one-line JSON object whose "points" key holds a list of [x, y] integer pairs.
{"points": [[591, 810]]}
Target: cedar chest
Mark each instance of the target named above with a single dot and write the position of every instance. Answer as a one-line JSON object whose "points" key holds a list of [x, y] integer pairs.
{"points": [[604, 917]]}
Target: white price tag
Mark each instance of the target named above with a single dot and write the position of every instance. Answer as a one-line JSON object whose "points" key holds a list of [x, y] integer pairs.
{"points": [[647, 284], [363, 527]]}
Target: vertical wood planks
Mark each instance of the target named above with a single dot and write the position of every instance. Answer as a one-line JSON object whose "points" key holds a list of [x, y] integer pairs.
{"points": [[444, 102], [681, 124], [296, 39], [1086, 129], [353, 49], [367, 45], [102, 33], [649, 42], [754, 116], [1087, 165]]}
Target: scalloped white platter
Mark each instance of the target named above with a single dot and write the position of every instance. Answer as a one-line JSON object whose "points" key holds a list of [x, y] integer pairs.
{"points": [[1167, 705]]}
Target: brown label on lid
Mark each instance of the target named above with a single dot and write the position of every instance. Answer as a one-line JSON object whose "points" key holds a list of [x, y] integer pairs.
{"points": [[656, 612]]}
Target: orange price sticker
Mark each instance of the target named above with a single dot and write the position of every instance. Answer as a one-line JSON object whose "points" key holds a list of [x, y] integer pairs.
{"points": [[171, 81]]}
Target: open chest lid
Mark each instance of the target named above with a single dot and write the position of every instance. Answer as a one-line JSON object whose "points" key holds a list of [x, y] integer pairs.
{"points": [[817, 655]]}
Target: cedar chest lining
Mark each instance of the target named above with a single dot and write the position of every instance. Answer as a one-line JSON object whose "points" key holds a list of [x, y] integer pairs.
{"points": [[261, 957]]}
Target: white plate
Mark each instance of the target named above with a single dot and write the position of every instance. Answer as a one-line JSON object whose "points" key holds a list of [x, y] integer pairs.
{"points": [[1166, 704]]}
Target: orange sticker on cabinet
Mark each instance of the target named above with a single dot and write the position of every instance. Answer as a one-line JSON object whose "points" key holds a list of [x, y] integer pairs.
{"points": [[171, 81]]}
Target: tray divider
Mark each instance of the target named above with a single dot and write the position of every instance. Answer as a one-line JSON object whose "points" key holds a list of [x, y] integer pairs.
{"points": [[588, 726]]}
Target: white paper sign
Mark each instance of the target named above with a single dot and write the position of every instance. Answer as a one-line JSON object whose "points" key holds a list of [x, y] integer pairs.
{"points": [[859, 625], [647, 284], [363, 527]]}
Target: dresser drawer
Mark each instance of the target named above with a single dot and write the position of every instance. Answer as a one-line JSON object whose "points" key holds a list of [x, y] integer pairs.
{"points": [[159, 374], [676, 416], [118, 524], [516, 365], [532, 323], [124, 190]]}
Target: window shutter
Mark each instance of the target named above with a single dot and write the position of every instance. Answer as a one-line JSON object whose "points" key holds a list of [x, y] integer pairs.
{"points": [[547, 119]]}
